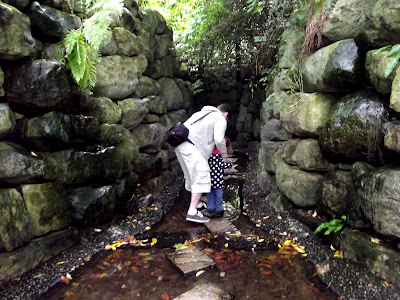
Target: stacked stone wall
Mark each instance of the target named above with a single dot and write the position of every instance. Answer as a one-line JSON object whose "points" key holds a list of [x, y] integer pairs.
{"points": [[71, 159], [331, 143]]}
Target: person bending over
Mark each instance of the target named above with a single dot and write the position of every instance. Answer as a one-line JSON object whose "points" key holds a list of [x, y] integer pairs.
{"points": [[206, 131]]}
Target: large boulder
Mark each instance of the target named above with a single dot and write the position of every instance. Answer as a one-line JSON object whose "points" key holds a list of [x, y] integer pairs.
{"points": [[273, 130], [272, 106], [126, 42], [376, 66], [171, 93], [383, 25], [306, 114], [21, 260], [292, 41], [15, 227], [146, 87], [361, 248], [20, 4], [117, 76], [104, 165], [92, 206], [103, 109], [346, 17], [334, 68], [355, 129], [16, 40], [392, 136], [307, 156], [334, 192], [162, 44], [268, 155], [18, 165], [379, 194], [7, 120], [150, 137], [49, 24], [395, 94], [156, 105], [37, 86], [133, 112], [148, 166], [299, 186], [47, 206], [153, 22], [52, 131]]}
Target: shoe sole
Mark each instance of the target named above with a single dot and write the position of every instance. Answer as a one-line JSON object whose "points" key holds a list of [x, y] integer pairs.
{"points": [[197, 220]]}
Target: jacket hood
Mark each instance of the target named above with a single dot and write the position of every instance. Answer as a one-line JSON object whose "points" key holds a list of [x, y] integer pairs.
{"points": [[209, 108]]}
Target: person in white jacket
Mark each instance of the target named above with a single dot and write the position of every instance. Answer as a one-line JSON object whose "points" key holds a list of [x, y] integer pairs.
{"points": [[206, 131]]}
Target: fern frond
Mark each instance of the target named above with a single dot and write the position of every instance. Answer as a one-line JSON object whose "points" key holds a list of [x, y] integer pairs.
{"points": [[96, 34], [392, 65], [115, 6], [394, 51]]}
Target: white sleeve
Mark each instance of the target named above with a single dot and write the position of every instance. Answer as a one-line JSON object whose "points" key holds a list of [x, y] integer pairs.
{"points": [[219, 135]]}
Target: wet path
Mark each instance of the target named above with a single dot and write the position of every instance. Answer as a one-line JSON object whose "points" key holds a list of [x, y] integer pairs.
{"points": [[247, 265]]}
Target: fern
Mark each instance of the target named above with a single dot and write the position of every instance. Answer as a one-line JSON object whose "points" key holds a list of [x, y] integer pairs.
{"points": [[82, 45], [393, 52]]}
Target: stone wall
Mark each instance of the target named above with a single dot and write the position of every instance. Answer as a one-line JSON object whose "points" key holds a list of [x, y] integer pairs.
{"points": [[244, 120], [71, 159], [334, 144]]}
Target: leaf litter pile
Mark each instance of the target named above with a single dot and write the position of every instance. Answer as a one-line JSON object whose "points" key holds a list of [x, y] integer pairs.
{"points": [[134, 269]]}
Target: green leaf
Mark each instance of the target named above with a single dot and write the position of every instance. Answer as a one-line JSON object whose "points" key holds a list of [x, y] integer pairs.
{"points": [[392, 65], [381, 50]]}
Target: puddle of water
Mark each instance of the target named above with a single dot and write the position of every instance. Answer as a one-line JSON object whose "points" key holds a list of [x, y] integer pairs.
{"points": [[147, 274]]}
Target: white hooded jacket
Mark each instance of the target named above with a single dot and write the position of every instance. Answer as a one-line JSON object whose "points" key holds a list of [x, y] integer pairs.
{"points": [[209, 131]]}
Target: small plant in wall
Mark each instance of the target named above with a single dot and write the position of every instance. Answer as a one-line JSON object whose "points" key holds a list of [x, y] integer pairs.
{"points": [[81, 46], [394, 51], [334, 225]]}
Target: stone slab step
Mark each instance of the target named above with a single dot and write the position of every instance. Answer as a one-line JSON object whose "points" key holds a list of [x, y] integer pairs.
{"points": [[205, 291], [220, 225], [190, 260]]}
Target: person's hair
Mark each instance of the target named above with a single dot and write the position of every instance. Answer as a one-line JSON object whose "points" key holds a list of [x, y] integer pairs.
{"points": [[229, 147], [224, 108]]}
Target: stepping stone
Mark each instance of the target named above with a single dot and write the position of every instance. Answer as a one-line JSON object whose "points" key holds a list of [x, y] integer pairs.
{"points": [[190, 260], [205, 291], [220, 225]]}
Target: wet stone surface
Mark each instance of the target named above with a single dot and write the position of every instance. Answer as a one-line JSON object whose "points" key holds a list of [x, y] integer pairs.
{"points": [[190, 260]]}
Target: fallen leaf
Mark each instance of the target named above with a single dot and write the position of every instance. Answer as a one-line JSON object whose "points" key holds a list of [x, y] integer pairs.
{"points": [[164, 296], [144, 253], [337, 254], [100, 275], [153, 241], [123, 286], [266, 272], [314, 214], [60, 263], [376, 241], [97, 230], [69, 294], [65, 279], [199, 273]]}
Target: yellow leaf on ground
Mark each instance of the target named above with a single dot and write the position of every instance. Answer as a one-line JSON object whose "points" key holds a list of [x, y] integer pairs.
{"points": [[374, 240], [337, 254], [153, 241], [199, 273]]}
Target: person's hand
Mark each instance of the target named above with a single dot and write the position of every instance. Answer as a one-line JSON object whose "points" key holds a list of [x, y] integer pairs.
{"points": [[227, 159]]}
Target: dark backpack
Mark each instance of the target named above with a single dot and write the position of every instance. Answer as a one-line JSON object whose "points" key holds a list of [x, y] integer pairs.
{"points": [[177, 134]]}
